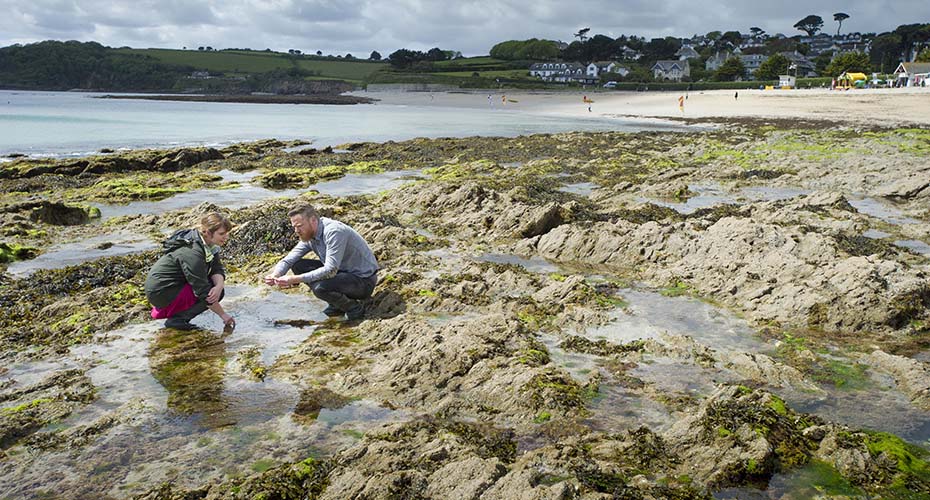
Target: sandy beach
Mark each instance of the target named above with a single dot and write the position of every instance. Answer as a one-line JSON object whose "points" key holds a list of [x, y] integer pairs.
{"points": [[883, 107]]}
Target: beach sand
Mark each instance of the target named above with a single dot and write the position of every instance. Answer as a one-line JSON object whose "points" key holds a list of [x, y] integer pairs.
{"points": [[882, 107]]}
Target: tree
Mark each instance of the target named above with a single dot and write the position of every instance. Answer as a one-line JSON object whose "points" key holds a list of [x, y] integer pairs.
{"points": [[402, 58], [661, 48], [731, 69], [375, 56], [319, 52], [756, 32], [810, 24], [924, 56], [840, 17], [886, 52], [582, 34], [436, 54], [732, 38], [822, 61], [849, 61], [772, 67]]}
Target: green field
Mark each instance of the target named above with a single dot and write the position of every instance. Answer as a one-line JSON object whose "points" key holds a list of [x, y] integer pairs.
{"points": [[515, 74], [244, 62]]}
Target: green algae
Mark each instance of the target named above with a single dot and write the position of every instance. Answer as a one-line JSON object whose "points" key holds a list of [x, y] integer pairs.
{"points": [[676, 288], [281, 177], [263, 465], [542, 417], [904, 474], [817, 479], [13, 252], [25, 406]]}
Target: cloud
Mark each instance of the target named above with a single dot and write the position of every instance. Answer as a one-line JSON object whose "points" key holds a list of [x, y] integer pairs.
{"points": [[470, 26]]}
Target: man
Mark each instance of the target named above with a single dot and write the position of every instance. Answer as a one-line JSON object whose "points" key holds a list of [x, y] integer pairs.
{"points": [[346, 273]]}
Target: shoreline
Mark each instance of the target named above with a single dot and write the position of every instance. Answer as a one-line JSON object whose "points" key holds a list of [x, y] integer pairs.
{"points": [[868, 107], [251, 99]]}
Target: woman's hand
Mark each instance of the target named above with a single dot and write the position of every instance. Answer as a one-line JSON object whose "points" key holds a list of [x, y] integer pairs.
{"points": [[229, 323], [214, 295]]}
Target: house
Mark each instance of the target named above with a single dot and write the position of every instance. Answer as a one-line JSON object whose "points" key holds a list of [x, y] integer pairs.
{"points": [[686, 52], [596, 68], [544, 70], [671, 70], [714, 62], [803, 66], [629, 54], [912, 74], [562, 72], [752, 62]]}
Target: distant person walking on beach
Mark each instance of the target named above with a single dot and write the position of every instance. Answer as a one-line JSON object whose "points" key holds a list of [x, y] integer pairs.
{"points": [[189, 278], [681, 103], [503, 99], [736, 95], [346, 272], [490, 102]]}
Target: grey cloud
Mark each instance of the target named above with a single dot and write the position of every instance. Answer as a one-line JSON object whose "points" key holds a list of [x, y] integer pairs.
{"points": [[470, 26]]}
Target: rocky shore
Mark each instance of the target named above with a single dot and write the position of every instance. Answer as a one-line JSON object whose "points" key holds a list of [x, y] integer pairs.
{"points": [[580, 315]]}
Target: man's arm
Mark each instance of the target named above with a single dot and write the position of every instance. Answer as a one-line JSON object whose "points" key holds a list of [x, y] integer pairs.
{"points": [[284, 265], [335, 249]]}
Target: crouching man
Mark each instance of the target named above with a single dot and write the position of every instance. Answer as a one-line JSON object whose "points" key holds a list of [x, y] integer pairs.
{"points": [[346, 272]]}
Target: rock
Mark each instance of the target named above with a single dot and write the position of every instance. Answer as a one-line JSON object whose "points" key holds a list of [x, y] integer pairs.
{"points": [[912, 376], [59, 214]]}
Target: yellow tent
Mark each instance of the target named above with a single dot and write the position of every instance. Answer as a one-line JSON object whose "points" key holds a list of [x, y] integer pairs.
{"points": [[848, 79]]}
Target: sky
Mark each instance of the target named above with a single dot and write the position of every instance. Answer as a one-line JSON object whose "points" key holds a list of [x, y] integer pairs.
{"points": [[357, 27]]}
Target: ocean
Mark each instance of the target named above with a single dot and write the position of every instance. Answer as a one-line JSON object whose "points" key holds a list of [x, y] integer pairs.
{"points": [[66, 124]]}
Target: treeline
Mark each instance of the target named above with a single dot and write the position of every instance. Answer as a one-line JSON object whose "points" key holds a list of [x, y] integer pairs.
{"points": [[405, 58], [53, 65], [526, 50]]}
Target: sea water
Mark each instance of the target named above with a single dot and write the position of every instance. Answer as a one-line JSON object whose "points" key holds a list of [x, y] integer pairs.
{"points": [[62, 124]]}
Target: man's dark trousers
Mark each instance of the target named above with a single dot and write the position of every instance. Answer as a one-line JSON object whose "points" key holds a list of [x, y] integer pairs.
{"points": [[343, 291]]}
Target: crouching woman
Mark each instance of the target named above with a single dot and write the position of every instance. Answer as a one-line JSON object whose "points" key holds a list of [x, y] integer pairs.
{"points": [[189, 278]]}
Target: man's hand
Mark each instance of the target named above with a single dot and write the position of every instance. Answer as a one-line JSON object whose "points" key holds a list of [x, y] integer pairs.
{"points": [[270, 279], [287, 281], [214, 295]]}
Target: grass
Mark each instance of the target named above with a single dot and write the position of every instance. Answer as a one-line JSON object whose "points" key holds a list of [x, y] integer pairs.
{"points": [[244, 62]]}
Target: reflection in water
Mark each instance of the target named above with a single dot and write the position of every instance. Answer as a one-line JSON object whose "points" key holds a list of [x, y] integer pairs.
{"points": [[579, 188], [879, 210], [915, 245], [70, 254], [190, 366], [248, 193], [814, 480], [532, 264]]}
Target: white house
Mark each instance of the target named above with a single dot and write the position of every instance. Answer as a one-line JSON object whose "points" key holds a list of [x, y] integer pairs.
{"points": [[752, 62], [687, 52], [596, 68], [912, 74], [714, 62], [630, 54], [671, 70], [561, 72]]}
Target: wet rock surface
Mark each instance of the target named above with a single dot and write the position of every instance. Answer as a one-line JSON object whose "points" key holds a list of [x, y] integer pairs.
{"points": [[600, 374]]}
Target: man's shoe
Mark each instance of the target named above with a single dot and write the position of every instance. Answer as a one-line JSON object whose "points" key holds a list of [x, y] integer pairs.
{"points": [[179, 324], [356, 313], [333, 312]]}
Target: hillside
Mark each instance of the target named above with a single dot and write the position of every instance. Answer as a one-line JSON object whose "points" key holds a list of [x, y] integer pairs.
{"points": [[53, 65]]}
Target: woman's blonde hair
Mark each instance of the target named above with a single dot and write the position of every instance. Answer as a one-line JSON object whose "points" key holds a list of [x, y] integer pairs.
{"points": [[213, 221]]}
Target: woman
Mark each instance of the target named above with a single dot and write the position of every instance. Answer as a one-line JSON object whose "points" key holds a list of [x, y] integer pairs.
{"points": [[189, 278]]}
